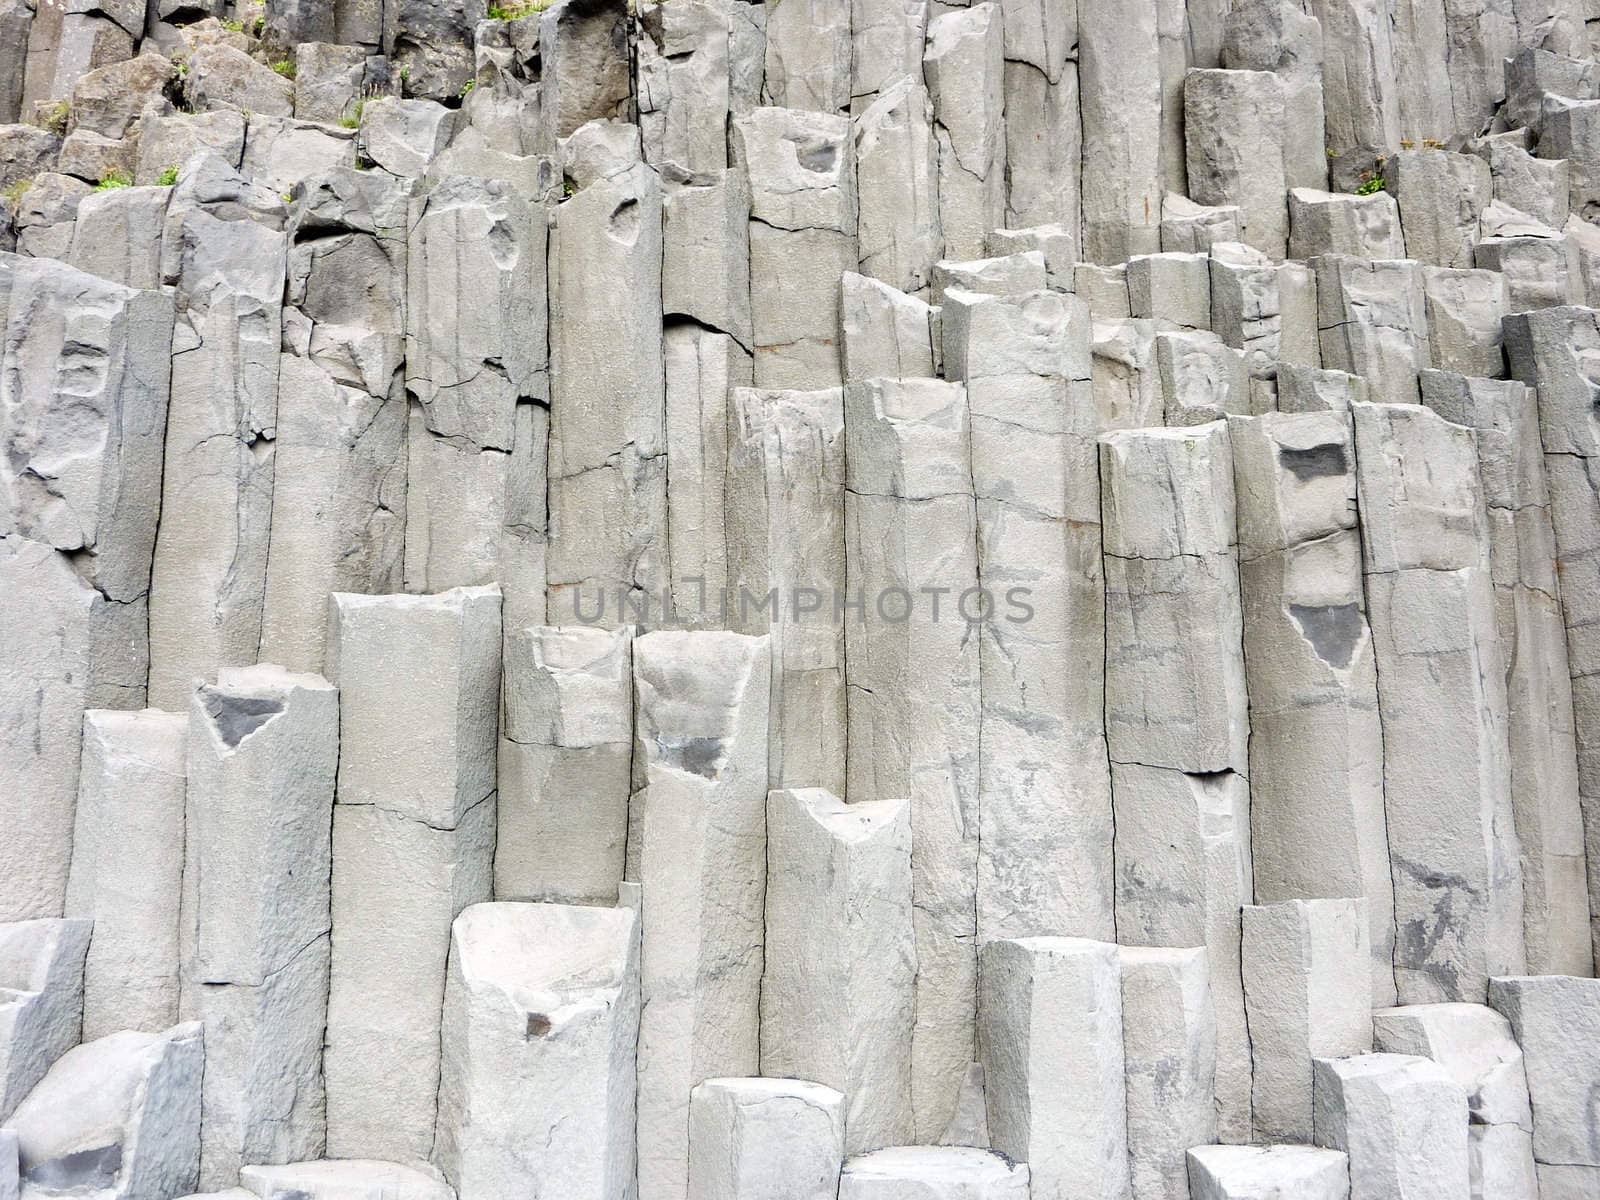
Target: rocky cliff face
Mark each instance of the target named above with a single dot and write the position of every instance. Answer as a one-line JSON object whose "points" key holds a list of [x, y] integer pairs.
{"points": [[851, 599]]}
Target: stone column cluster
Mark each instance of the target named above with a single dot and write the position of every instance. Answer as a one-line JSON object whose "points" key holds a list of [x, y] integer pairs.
{"points": [[828, 599]]}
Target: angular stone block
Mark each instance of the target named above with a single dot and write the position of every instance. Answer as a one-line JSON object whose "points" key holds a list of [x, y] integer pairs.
{"points": [[1182, 863], [1474, 1044], [1044, 787], [608, 400], [752, 1137], [1120, 76], [541, 1017], [42, 1017], [1442, 701], [897, 180], [1317, 823], [839, 941], [419, 687], [398, 884], [883, 332], [1342, 223], [1234, 135], [1441, 196], [1401, 1120], [933, 1173], [1051, 1043], [1307, 966], [262, 748], [564, 766], [1554, 1020], [339, 1179], [1174, 669], [118, 1118], [964, 64], [1267, 1173], [1372, 321], [224, 249]]}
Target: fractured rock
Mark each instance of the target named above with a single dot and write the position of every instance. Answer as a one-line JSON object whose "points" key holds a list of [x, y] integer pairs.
{"points": [[751, 1137]]}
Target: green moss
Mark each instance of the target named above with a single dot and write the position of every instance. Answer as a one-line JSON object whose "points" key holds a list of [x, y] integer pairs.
{"points": [[114, 179], [353, 121], [13, 194], [168, 177], [284, 67], [55, 118], [515, 11], [233, 26], [1371, 186]]}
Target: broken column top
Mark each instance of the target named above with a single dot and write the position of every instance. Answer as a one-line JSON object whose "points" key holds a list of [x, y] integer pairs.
{"points": [[801, 168], [1294, 478], [546, 958], [1418, 486], [933, 1173], [1168, 492], [342, 1179], [907, 438], [568, 685]]}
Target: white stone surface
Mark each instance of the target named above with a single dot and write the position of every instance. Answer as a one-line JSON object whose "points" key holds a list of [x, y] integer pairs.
{"points": [[1267, 1173], [702, 728], [1051, 1043], [838, 941], [1306, 992], [932, 1173], [1400, 1120], [127, 867], [765, 1137], [537, 1078], [116, 1118], [42, 1016]]}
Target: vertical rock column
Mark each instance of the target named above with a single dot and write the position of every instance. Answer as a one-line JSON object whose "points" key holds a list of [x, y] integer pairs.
{"points": [[476, 370], [965, 68], [784, 534], [1317, 824], [766, 1137], [1306, 969], [608, 469], [1527, 592], [566, 749], [1234, 135], [1044, 859], [127, 868], [802, 172], [1176, 716], [702, 729], [537, 1082], [1442, 698], [413, 845], [1363, 110], [898, 153], [1169, 1048], [1052, 1050], [839, 942], [1279, 36], [913, 700], [1044, 129], [83, 407], [263, 745], [339, 477], [1120, 70], [224, 250], [1556, 351]]}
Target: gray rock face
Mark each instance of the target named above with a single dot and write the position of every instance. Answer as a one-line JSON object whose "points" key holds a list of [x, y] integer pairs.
{"points": [[1553, 1020], [1317, 820], [1441, 675], [702, 729], [127, 867], [909, 486], [224, 250], [262, 746], [1399, 1119], [82, 428], [755, 1136], [43, 1014]]}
